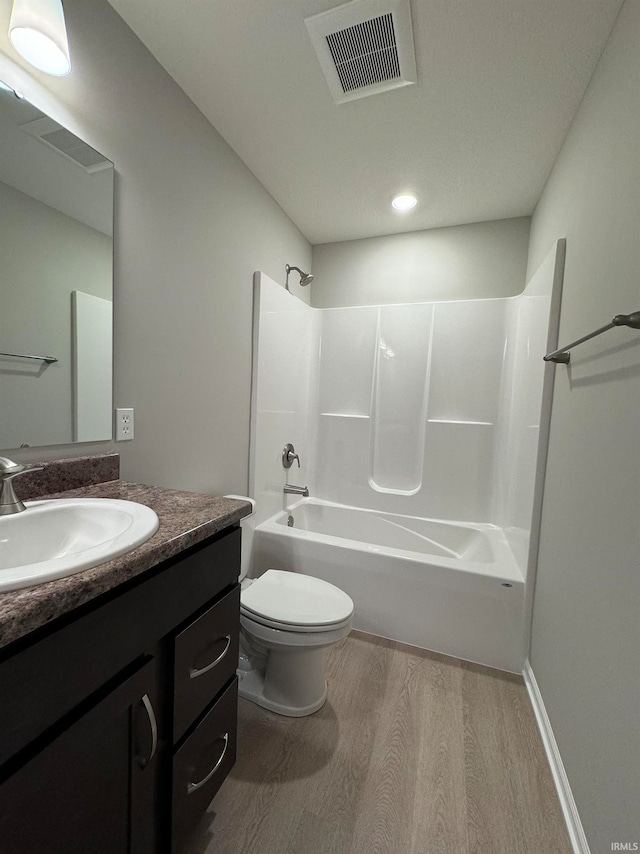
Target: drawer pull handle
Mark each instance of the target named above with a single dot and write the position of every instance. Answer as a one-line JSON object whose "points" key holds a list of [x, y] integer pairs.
{"points": [[146, 702], [193, 787], [193, 673]]}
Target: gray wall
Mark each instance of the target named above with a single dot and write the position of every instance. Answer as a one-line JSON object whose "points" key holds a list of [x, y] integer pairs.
{"points": [[586, 639], [481, 260], [45, 256], [192, 225]]}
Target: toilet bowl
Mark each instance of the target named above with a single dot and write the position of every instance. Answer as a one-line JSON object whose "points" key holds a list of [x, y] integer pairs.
{"points": [[287, 620]]}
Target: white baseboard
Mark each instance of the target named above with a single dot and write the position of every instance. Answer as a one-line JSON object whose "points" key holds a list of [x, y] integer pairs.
{"points": [[569, 809]]}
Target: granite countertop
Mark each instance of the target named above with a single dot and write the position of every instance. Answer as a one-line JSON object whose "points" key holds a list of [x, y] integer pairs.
{"points": [[186, 518]]}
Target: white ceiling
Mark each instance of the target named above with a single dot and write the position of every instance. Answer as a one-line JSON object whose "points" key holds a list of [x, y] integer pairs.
{"points": [[499, 82]]}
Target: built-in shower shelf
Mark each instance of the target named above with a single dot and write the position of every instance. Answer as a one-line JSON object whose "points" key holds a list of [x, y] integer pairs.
{"points": [[343, 415], [459, 421]]}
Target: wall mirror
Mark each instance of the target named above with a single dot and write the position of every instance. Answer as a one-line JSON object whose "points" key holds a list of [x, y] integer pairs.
{"points": [[56, 282]]}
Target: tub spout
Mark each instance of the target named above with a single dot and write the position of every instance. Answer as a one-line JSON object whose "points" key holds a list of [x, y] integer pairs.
{"points": [[290, 489]]}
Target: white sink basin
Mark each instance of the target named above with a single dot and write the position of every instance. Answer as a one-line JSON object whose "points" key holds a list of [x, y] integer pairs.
{"points": [[53, 539]]}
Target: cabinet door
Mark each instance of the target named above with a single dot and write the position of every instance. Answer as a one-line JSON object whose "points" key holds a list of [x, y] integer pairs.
{"points": [[92, 788]]}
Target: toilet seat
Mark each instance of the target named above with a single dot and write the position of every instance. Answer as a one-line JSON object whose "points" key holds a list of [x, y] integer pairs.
{"points": [[293, 602], [292, 627]]}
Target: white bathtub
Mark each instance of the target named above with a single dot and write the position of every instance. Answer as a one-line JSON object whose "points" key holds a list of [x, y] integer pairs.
{"points": [[446, 586]]}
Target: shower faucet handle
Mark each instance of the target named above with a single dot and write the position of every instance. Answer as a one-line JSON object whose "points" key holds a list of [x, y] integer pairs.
{"points": [[289, 455]]}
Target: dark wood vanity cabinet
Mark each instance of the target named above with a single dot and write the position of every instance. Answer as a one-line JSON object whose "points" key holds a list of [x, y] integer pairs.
{"points": [[118, 724]]}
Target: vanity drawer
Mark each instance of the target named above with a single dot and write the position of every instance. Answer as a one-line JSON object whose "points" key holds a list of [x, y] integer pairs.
{"points": [[201, 765], [205, 658]]}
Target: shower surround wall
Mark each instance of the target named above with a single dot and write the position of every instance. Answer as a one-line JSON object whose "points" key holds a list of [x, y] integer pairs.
{"points": [[285, 354], [428, 410], [407, 402]]}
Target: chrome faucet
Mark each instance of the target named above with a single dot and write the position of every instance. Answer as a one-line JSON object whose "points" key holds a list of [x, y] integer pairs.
{"points": [[9, 501], [290, 489]]}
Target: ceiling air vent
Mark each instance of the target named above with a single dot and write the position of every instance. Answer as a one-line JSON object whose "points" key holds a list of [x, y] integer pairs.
{"points": [[64, 142], [364, 47]]}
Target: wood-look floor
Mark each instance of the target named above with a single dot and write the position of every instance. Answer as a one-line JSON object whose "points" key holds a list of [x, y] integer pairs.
{"points": [[412, 752]]}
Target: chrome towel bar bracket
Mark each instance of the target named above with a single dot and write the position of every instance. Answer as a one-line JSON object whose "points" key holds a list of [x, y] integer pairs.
{"points": [[562, 355]]}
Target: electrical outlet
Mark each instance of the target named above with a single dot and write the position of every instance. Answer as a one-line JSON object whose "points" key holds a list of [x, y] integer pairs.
{"points": [[124, 425]]}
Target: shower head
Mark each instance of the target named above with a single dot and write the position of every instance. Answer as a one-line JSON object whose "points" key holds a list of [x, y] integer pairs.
{"points": [[305, 278]]}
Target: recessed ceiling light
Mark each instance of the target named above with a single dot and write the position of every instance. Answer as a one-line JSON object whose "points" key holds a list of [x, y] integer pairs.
{"points": [[404, 202]]}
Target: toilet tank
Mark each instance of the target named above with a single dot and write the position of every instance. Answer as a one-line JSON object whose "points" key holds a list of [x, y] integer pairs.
{"points": [[247, 526]]}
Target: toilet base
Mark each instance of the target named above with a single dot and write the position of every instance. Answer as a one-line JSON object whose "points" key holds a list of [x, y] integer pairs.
{"points": [[251, 687], [284, 671]]}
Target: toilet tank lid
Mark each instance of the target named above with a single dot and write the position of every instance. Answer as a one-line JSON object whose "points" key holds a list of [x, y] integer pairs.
{"points": [[251, 501], [302, 600]]}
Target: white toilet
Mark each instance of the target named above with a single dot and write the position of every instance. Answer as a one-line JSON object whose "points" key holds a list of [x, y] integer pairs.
{"points": [[287, 620]]}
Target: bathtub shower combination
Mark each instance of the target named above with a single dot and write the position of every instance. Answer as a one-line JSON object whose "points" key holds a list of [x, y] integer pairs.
{"points": [[418, 432]]}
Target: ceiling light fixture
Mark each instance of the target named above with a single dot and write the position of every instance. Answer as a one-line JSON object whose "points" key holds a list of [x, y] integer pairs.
{"points": [[38, 32], [404, 202]]}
